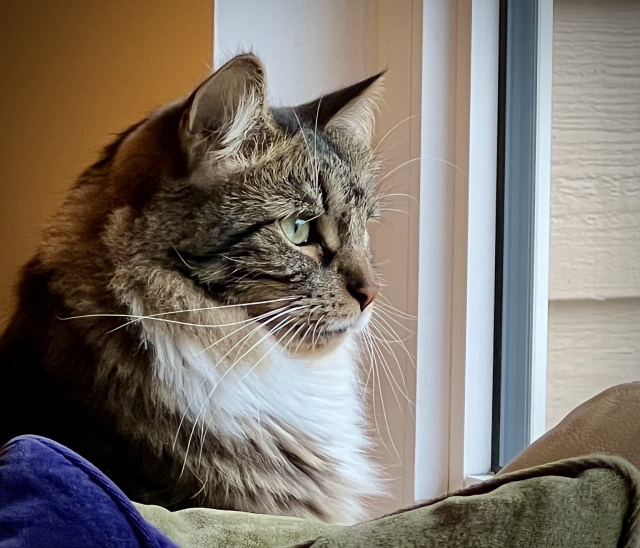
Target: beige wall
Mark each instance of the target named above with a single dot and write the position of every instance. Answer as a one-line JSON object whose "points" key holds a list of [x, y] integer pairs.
{"points": [[71, 74], [594, 313]]}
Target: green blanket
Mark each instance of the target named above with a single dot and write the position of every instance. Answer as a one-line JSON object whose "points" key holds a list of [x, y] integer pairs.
{"points": [[581, 502]]}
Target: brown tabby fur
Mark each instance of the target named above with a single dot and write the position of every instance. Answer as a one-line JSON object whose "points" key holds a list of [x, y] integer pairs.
{"points": [[179, 214]]}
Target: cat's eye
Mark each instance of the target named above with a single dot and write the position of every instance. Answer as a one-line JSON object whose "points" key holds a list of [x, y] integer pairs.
{"points": [[295, 229]]}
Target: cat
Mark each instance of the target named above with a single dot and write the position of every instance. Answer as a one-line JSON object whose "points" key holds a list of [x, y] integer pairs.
{"points": [[189, 323]]}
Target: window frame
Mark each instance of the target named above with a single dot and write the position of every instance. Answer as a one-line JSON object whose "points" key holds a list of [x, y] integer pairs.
{"points": [[523, 222]]}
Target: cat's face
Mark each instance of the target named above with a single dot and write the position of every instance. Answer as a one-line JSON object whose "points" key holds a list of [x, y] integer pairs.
{"points": [[270, 209]]}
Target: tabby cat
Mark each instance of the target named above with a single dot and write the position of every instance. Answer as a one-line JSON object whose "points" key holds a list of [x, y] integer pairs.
{"points": [[189, 322]]}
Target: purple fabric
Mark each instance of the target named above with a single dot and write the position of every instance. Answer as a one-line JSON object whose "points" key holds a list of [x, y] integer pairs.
{"points": [[52, 497]]}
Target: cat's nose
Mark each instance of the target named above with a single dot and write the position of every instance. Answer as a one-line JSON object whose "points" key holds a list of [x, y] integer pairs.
{"points": [[365, 293]]}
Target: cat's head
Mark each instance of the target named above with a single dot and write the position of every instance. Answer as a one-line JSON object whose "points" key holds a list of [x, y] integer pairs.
{"points": [[221, 200]]}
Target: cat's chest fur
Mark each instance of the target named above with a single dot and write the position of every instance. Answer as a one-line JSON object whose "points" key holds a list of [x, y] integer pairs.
{"points": [[307, 411]]}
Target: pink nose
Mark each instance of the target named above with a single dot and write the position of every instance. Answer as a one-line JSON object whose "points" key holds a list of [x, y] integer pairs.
{"points": [[364, 293]]}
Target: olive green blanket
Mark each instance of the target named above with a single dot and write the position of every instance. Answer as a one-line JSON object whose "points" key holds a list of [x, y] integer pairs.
{"points": [[586, 501]]}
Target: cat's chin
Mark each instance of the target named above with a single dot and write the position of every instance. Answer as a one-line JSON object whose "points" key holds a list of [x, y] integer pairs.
{"points": [[324, 346], [336, 333]]}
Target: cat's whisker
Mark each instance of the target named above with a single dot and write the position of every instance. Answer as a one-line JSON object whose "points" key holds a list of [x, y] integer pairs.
{"points": [[295, 352], [296, 309], [190, 267], [152, 316], [221, 360], [292, 338], [393, 129], [156, 319], [386, 419], [377, 336], [403, 164], [313, 309], [389, 375], [218, 341], [447, 163], [372, 373], [251, 369], [387, 304], [395, 210], [206, 402], [395, 313], [399, 146], [281, 312], [404, 392], [157, 315], [382, 312], [204, 484], [384, 411], [315, 145], [394, 194], [313, 336], [392, 332], [267, 335], [381, 361], [366, 384], [395, 340], [272, 314], [277, 343], [187, 407], [304, 138]]}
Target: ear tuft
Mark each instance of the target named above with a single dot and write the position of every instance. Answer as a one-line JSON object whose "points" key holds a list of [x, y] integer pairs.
{"points": [[229, 103], [350, 110], [358, 116]]}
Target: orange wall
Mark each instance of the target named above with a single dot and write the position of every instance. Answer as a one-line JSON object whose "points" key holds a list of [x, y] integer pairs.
{"points": [[71, 74]]}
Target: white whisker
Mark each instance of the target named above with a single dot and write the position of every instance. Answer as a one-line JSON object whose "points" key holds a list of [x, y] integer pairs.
{"points": [[404, 384], [206, 402], [392, 332], [397, 168], [382, 312], [401, 194], [315, 145], [384, 411], [393, 129], [394, 210], [393, 310], [385, 368]]}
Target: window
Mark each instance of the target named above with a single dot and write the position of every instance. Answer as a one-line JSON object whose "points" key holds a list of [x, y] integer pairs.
{"points": [[568, 292]]}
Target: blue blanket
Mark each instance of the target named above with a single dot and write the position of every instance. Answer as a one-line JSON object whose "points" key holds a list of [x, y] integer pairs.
{"points": [[51, 497]]}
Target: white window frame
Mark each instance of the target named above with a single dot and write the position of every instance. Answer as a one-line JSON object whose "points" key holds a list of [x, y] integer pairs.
{"points": [[542, 221], [454, 389]]}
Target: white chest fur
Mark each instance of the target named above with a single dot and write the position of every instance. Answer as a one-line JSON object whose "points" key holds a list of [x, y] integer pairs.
{"points": [[320, 398]]}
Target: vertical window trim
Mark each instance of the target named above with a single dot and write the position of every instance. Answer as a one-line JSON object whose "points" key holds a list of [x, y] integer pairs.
{"points": [[457, 244], [542, 221]]}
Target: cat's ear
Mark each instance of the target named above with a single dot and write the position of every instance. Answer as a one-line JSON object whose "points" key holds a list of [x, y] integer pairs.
{"points": [[350, 110], [228, 105]]}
